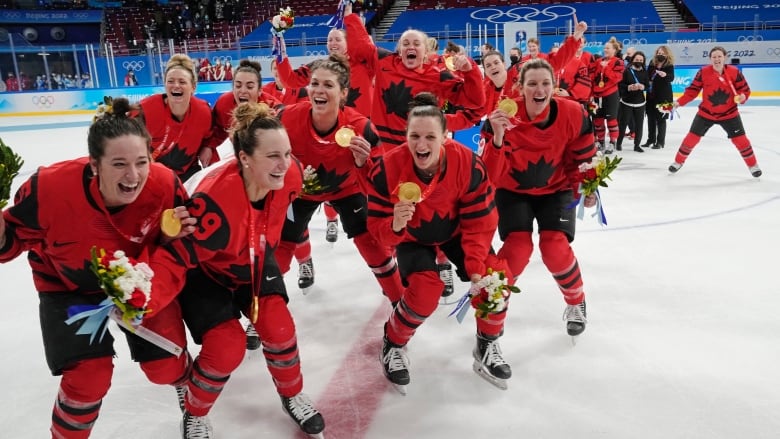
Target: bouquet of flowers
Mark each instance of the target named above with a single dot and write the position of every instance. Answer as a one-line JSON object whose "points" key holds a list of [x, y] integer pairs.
{"points": [[667, 108], [107, 107], [493, 290], [593, 175], [280, 23], [10, 164], [128, 285], [283, 21], [311, 182]]}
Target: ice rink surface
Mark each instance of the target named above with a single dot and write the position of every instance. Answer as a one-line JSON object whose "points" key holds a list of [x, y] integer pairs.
{"points": [[682, 339]]}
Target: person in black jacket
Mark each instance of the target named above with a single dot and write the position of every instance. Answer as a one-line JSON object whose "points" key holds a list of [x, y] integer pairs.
{"points": [[661, 74], [632, 100]]}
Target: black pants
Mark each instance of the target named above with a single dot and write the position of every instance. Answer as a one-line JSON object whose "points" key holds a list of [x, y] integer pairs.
{"points": [[627, 114]]}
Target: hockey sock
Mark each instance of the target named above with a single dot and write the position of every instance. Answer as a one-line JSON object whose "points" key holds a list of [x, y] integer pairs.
{"points": [[303, 249], [276, 329], [284, 254], [382, 264], [517, 250], [222, 351], [419, 301], [81, 393], [330, 212], [745, 150], [598, 123], [612, 126], [558, 257], [689, 142]]}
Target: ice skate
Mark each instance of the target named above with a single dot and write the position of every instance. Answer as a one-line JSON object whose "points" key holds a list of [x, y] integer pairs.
{"points": [[610, 148], [445, 274], [306, 276], [252, 339], [332, 232], [302, 411], [195, 427], [755, 171], [395, 364], [576, 318], [674, 167], [489, 362], [181, 393]]}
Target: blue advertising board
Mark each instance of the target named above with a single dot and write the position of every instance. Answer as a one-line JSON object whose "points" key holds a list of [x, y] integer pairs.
{"points": [[733, 10]]}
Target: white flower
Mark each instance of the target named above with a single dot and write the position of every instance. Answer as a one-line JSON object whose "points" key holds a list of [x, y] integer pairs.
{"points": [[275, 21], [309, 173]]}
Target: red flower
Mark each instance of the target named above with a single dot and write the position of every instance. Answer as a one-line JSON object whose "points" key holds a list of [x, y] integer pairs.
{"points": [[137, 299], [591, 174]]}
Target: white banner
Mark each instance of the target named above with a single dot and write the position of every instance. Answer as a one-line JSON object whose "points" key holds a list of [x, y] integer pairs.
{"points": [[752, 52]]}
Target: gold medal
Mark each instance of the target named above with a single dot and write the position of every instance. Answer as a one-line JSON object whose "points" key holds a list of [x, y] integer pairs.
{"points": [[508, 106], [601, 84], [255, 309], [409, 192], [449, 62], [169, 224], [344, 135]]}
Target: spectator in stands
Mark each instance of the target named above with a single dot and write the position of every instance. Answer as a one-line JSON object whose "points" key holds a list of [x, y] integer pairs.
{"points": [[632, 100], [11, 83], [607, 72], [723, 89], [661, 73], [229, 71], [178, 121], [130, 79]]}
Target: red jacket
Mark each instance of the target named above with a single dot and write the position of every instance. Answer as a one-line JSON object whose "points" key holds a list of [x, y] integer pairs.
{"points": [[541, 160], [176, 144], [287, 96], [58, 216], [458, 200], [222, 115], [718, 92], [334, 164], [605, 78], [221, 245]]}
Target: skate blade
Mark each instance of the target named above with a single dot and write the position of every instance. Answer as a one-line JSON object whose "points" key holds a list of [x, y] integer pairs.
{"points": [[498, 382], [448, 300], [574, 340], [400, 388], [317, 436], [307, 290]]}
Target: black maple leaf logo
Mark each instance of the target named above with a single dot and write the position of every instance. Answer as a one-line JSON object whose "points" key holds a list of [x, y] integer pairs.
{"points": [[397, 98], [535, 176], [82, 276], [718, 97], [437, 229], [562, 84], [176, 158], [352, 97], [330, 180]]}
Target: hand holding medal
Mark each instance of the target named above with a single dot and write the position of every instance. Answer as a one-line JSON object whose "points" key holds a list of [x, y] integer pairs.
{"points": [[344, 136], [508, 106], [176, 225], [409, 191]]}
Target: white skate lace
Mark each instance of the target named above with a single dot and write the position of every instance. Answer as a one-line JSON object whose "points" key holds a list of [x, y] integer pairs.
{"points": [[305, 270], [493, 355], [445, 274], [181, 393], [197, 427], [250, 330], [573, 313], [301, 407], [396, 360]]}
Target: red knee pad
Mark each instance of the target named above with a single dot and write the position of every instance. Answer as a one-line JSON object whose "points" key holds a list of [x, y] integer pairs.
{"points": [[88, 380], [275, 324]]}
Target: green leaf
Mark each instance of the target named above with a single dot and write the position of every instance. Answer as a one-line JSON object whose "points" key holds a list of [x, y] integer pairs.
{"points": [[10, 164]]}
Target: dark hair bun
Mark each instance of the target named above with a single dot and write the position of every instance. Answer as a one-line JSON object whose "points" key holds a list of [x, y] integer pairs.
{"points": [[424, 99]]}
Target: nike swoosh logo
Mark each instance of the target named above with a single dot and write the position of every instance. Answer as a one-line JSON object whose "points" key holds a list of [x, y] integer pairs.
{"points": [[270, 278], [62, 243], [563, 220], [357, 210]]}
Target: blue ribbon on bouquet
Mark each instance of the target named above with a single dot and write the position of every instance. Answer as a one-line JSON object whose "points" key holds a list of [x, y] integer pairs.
{"points": [[94, 317], [337, 20], [461, 308], [277, 41], [579, 203]]}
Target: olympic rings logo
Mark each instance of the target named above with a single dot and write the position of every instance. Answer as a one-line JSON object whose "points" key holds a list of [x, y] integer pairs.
{"points": [[634, 41], [749, 38], [80, 15], [773, 51], [523, 13], [315, 53], [43, 101], [12, 15], [223, 59], [135, 66]]}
